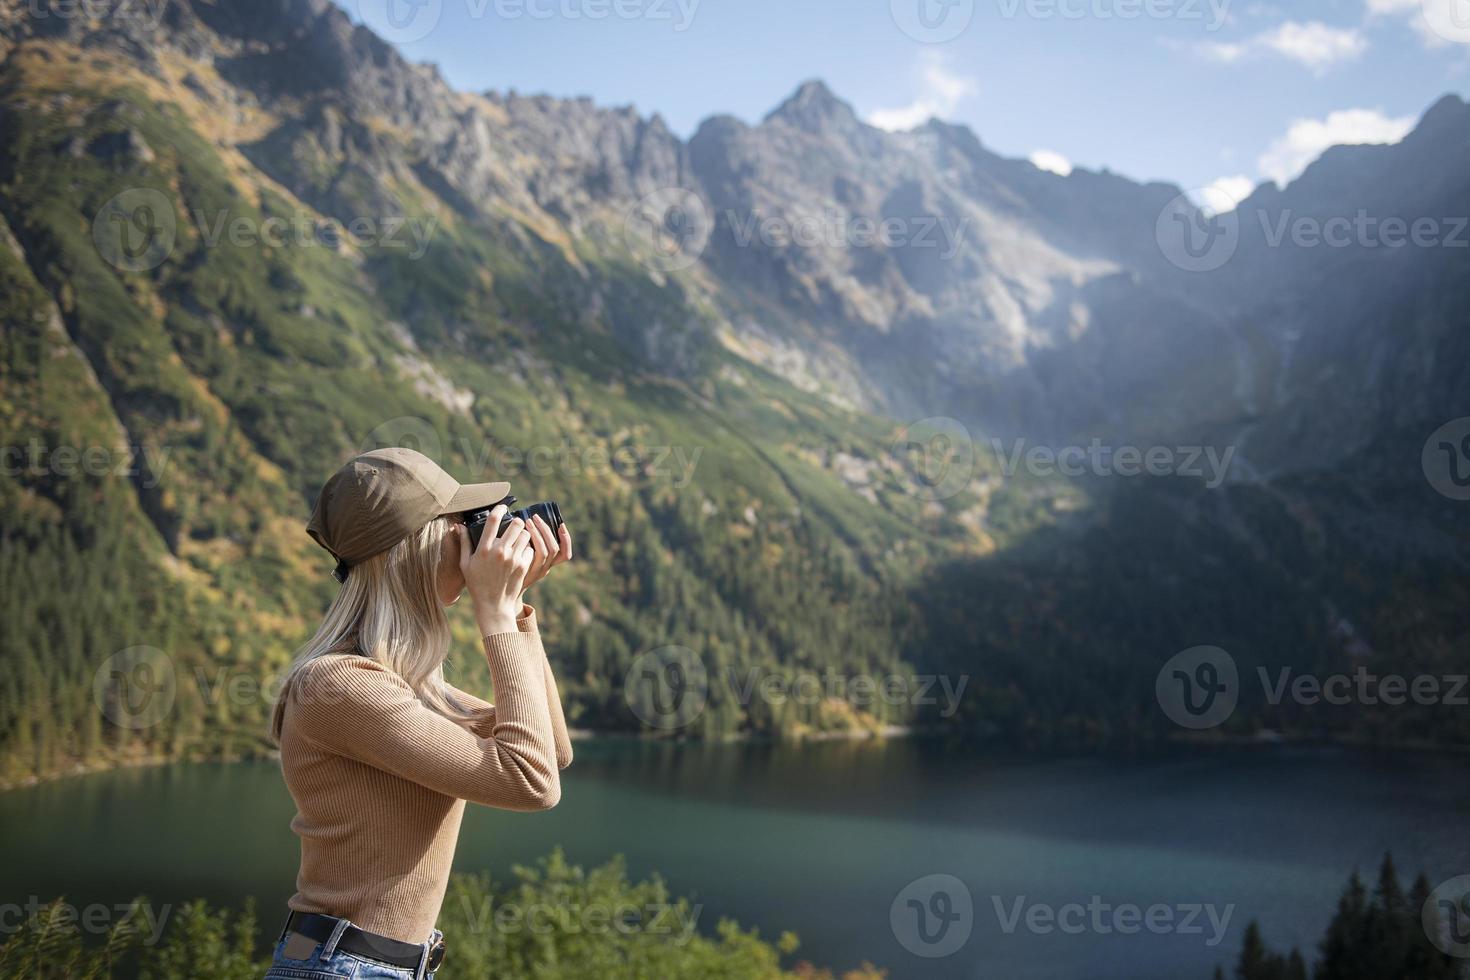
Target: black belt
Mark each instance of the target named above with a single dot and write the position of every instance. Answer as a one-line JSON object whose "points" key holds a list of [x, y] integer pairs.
{"points": [[360, 942]]}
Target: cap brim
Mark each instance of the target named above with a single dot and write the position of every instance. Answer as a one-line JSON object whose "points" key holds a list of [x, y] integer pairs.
{"points": [[476, 496]]}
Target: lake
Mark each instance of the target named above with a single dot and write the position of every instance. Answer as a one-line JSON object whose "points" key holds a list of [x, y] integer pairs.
{"points": [[1059, 860]]}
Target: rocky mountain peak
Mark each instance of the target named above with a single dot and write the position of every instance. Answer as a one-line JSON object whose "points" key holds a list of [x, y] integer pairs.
{"points": [[1449, 111], [1008, 296], [814, 108]]}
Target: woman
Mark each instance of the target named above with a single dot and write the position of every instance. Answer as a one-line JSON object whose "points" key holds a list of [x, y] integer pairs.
{"points": [[379, 752]]}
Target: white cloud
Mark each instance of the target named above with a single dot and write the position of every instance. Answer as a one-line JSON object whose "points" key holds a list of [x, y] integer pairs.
{"points": [[1306, 139], [1227, 53], [1418, 13], [1224, 193], [1314, 44], [940, 93], [1051, 161]]}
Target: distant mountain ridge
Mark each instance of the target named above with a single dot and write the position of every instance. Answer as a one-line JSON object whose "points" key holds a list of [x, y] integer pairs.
{"points": [[1043, 307]]}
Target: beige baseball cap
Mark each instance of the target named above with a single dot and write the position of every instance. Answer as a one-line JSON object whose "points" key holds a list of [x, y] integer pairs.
{"points": [[382, 497]]}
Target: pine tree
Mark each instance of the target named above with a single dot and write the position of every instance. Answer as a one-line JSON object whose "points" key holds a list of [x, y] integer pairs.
{"points": [[1385, 931], [1255, 959], [1342, 945], [1381, 939]]}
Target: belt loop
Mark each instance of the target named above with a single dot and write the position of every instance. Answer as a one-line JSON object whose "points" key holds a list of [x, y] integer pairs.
{"points": [[422, 971], [285, 928], [331, 947]]}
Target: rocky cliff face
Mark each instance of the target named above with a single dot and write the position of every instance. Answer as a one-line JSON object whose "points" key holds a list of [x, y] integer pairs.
{"points": [[1350, 288], [915, 273]]}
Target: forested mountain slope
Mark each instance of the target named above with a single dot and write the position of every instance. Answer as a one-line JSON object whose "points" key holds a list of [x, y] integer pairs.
{"points": [[248, 241]]}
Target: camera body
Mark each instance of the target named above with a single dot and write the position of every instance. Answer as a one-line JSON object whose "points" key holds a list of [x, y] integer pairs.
{"points": [[475, 520]]}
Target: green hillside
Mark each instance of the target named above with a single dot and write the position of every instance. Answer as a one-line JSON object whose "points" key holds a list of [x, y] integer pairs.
{"points": [[707, 507], [211, 301]]}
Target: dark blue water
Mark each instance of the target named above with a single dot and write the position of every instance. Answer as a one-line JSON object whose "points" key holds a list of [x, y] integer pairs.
{"points": [[822, 839]]}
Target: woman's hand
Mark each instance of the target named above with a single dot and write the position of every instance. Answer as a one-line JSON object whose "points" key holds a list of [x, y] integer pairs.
{"points": [[495, 573], [551, 549]]}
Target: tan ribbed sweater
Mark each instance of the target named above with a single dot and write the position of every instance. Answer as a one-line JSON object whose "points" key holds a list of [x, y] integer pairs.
{"points": [[380, 780]]}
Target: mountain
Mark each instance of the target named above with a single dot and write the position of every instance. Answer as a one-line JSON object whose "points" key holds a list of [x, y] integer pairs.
{"points": [[1356, 331], [1002, 296], [248, 239], [224, 275]]}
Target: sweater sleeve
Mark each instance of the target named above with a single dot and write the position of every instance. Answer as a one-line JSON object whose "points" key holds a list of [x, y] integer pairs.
{"points": [[527, 624], [359, 709], [484, 723]]}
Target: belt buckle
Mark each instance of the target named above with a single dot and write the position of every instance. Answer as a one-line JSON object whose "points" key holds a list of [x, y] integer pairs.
{"points": [[436, 956]]}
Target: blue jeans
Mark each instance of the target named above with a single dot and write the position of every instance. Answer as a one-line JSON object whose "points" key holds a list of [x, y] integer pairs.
{"points": [[336, 964]]}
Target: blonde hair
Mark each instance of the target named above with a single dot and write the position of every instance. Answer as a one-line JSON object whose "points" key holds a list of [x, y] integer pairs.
{"points": [[389, 611]]}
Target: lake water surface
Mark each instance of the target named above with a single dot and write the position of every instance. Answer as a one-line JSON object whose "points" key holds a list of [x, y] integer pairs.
{"points": [[822, 839]]}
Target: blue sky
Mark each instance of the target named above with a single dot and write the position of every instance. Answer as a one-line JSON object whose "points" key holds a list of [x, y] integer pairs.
{"points": [[1220, 93]]}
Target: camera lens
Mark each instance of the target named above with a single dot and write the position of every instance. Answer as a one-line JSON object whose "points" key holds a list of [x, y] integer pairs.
{"points": [[550, 513], [548, 509]]}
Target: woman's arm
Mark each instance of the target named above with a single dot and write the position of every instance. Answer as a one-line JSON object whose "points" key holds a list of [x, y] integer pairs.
{"points": [[485, 723], [552, 548], [359, 709], [553, 696]]}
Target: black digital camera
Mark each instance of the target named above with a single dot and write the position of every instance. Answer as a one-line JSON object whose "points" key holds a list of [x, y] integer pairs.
{"points": [[475, 520]]}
